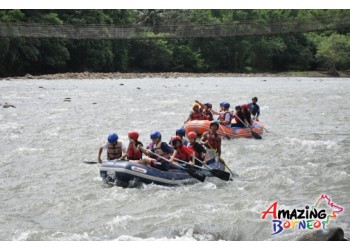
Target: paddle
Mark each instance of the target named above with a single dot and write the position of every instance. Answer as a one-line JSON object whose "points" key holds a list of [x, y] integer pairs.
{"points": [[199, 176], [223, 175], [90, 162], [221, 160], [255, 135]]}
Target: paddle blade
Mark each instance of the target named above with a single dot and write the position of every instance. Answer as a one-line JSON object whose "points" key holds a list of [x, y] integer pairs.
{"points": [[223, 175], [196, 174], [90, 162], [256, 135]]}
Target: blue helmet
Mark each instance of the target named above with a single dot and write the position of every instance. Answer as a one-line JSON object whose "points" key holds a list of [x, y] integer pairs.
{"points": [[181, 131], [112, 138], [226, 105], [222, 104], [155, 135]]}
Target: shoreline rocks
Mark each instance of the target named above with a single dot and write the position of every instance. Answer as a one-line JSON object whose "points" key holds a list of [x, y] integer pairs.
{"points": [[118, 75]]}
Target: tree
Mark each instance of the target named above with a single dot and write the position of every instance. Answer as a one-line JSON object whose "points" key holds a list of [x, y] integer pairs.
{"points": [[333, 52]]}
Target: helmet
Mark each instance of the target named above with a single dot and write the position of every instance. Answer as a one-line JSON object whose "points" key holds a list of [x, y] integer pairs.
{"points": [[245, 106], [133, 135], [238, 107], [195, 105], [113, 138], [155, 135], [255, 98], [192, 135], [208, 105], [175, 138], [226, 105], [181, 131], [214, 123], [222, 104]]}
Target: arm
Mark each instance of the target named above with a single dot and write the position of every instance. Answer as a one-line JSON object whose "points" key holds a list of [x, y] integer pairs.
{"points": [[201, 104], [189, 118], [99, 154], [173, 156]]}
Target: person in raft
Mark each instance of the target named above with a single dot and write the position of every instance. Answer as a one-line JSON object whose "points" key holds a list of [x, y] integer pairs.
{"points": [[160, 148], [180, 132], [206, 109], [181, 152], [241, 121], [115, 149], [199, 150], [212, 141], [196, 113], [225, 116], [134, 149], [254, 108], [247, 114]]}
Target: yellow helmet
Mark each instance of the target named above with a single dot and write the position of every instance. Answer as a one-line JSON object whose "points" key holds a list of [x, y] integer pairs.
{"points": [[195, 104]]}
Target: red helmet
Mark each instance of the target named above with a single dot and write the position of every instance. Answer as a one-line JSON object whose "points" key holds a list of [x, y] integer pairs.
{"points": [[175, 138], [133, 135], [245, 106], [192, 135]]}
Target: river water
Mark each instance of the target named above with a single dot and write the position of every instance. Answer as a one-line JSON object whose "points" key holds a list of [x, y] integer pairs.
{"points": [[48, 193]]}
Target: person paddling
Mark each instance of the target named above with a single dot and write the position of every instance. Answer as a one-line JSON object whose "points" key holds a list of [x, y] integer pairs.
{"points": [[134, 149], [115, 149], [181, 152], [212, 141], [240, 118], [246, 114], [199, 150], [160, 148], [225, 116]]}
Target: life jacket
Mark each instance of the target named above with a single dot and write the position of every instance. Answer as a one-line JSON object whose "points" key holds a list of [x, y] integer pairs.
{"points": [[114, 151], [182, 154], [193, 147], [213, 140], [197, 115], [208, 115], [131, 154], [157, 148], [223, 114]]}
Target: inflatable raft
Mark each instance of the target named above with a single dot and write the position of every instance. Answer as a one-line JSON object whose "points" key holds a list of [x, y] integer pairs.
{"points": [[201, 126], [122, 172]]}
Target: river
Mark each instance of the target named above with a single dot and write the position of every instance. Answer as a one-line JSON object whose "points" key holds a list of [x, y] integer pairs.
{"points": [[47, 193]]}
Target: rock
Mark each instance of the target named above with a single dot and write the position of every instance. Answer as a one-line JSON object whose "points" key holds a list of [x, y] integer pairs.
{"points": [[122, 84], [138, 88], [94, 103], [6, 105], [29, 76], [41, 87], [333, 234]]}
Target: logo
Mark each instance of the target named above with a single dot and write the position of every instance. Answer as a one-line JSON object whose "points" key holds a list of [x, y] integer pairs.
{"points": [[316, 217], [137, 169]]}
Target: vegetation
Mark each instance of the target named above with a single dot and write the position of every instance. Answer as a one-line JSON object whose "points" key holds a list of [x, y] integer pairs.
{"points": [[327, 50]]}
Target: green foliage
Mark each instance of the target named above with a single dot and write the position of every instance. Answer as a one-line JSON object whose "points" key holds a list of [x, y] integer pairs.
{"points": [[280, 52], [333, 52]]}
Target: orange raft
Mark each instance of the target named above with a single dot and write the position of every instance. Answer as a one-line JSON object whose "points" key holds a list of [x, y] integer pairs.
{"points": [[201, 126]]}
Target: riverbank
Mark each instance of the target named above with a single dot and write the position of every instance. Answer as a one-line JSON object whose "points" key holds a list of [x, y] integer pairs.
{"points": [[118, 75]]}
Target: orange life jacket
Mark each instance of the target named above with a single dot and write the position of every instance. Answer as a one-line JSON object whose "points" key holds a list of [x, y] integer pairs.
{"points": [[183, 154], [213, 140]]}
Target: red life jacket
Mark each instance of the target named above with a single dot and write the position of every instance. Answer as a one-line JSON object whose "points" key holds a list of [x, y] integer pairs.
{"points": [[208, 115], [131, 154], [114, 151], [184, 153], [197, 115], [213, 140], [196, 153]]}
